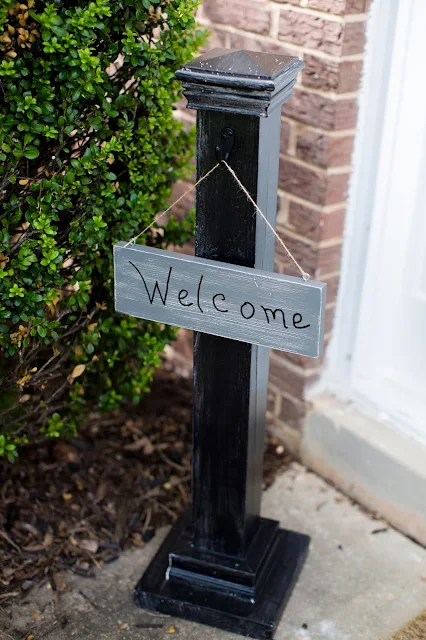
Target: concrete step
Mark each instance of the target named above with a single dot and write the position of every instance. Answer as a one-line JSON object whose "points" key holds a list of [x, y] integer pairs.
{"points": [[362, 581]]}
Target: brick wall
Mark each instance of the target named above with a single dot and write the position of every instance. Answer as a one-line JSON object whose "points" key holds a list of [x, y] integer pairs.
{"points": [[317, 138]]}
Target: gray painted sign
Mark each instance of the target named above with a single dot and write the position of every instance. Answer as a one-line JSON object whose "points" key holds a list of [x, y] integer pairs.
{"points": [[268, 309]]}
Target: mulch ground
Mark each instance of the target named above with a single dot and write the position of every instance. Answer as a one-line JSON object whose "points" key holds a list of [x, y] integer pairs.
{"points": [[77, 505], [414, 630]]}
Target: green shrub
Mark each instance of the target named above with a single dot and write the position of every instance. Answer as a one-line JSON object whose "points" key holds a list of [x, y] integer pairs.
{"points": [[89, 151]]}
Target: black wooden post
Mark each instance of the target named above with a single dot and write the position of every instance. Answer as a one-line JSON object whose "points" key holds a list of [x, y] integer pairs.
{"points": [[225, 565]]}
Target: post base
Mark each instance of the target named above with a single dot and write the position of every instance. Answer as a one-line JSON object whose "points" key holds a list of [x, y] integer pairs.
{"points": [[249, 596]]}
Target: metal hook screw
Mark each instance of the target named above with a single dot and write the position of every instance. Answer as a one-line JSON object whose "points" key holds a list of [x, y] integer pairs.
{"points": [[223, 150]]}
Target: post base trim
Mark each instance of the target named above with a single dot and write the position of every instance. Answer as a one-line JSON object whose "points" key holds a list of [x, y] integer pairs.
{"points": [[228, 609]]}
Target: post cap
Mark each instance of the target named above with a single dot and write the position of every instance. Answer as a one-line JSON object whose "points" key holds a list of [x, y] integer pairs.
{"points": [[239, 81]]}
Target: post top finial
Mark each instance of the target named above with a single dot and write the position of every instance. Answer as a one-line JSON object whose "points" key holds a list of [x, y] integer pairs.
{"points": [[241, 81]]}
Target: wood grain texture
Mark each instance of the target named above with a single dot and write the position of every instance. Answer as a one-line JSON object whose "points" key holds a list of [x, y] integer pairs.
{"points": [[229, 432], [248, 305]]}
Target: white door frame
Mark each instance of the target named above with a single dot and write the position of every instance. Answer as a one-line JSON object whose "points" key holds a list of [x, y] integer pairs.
{"points": [[388, 101]]}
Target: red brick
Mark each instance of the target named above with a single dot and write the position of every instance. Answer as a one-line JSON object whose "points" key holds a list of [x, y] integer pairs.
{"points": [[250, 15], [346, 114], [329, 75], [312, 108], [310, 184], [278, 266], [272, 402], [282, 210], [239, 41], [285, 380], [299, 361], [350, 76], [312, 32], [331, 6], [339, 7], [320, 73], [329, 319], [305, 363], [318, 33], [332, 224], [303, 182], [216, 40], [340, 151], [305, 254], [323, 150], [357, 6], [291, 409], [332, 287], [337, 188], [315, 225], [329, 259], [312, 146], [354, 39], [304, 221], [285, 135]]}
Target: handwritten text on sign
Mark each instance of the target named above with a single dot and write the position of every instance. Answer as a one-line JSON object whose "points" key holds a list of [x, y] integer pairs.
{"points": [[268, 309]]}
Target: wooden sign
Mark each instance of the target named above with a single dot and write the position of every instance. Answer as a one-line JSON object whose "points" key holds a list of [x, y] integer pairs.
{"points": [[249, 305]]}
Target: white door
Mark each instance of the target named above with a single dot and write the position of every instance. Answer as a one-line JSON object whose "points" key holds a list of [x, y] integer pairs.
{"points": [[387, 359]]}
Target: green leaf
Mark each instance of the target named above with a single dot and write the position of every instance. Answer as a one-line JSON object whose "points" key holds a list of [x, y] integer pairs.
{"points": [[31, 153], [28, 137], [61, 33], [101, 152]]}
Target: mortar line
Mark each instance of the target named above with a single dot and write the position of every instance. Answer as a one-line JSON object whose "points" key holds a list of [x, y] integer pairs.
{"points": [[298, 49]]}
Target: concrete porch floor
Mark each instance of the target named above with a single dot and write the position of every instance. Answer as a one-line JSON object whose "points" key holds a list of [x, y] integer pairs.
{"points": [[356, 584]]}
